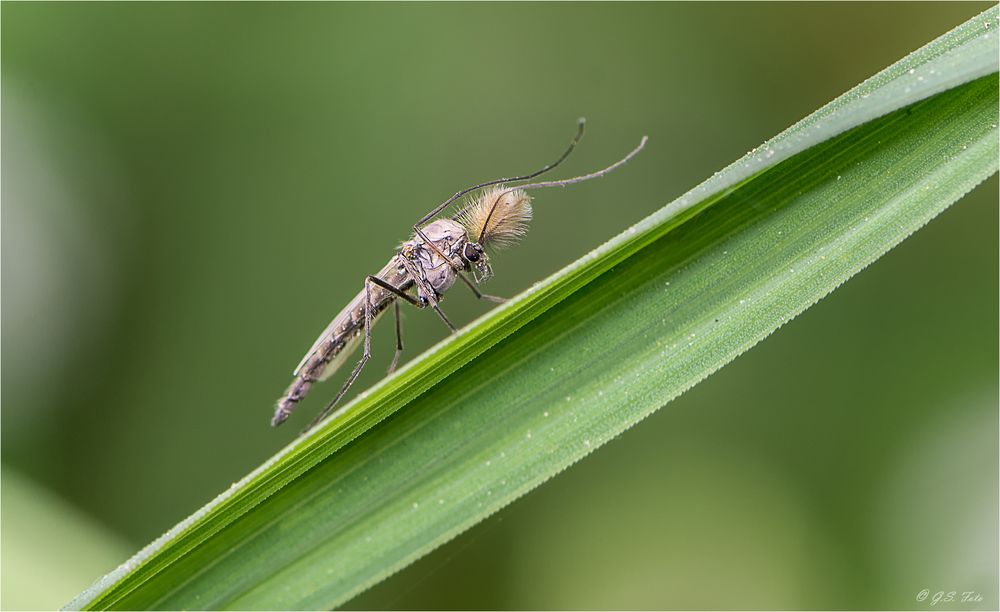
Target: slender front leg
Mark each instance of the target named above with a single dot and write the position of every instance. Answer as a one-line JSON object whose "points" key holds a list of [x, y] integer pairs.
{"points": [[479, 294], [465, 279], [399, 339], [427, 290], [444, 318]]}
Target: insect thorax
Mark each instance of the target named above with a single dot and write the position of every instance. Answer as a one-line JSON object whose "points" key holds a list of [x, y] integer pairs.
{"points": [[449, 237]]}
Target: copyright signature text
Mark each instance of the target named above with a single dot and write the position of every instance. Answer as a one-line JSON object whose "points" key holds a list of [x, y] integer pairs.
{"points": [[943, 597]]}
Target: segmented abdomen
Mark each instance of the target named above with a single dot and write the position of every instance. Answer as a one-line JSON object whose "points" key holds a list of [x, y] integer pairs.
{"points": [[312, 370]]}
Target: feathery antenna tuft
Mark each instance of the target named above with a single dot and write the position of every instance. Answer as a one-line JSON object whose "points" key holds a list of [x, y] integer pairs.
{"points": [[499, 216]]}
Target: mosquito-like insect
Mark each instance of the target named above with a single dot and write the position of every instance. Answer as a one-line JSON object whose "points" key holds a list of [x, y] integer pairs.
{"points": [[427, 264]]}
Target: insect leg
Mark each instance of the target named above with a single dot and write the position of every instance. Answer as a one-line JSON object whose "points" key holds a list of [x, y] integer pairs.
{"points": [[399, 338], [479, 294], [361, 364], [399, 331], [444, 318], [409, 298], [394, 290]]}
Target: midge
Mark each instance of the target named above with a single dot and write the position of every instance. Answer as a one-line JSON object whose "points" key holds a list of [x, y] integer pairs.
{"points": [[427, 265]]}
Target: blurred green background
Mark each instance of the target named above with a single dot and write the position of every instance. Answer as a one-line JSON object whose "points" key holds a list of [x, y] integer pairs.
{"points": [[190, 192]]}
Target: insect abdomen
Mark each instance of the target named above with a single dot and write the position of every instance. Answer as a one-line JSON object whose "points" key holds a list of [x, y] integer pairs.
{"points": [[308, 373]]}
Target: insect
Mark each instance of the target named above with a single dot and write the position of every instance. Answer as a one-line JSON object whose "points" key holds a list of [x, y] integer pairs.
{"points": [[423, 269]]}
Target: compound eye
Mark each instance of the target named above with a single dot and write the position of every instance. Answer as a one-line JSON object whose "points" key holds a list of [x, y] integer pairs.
{"points": [[472, 252]]}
